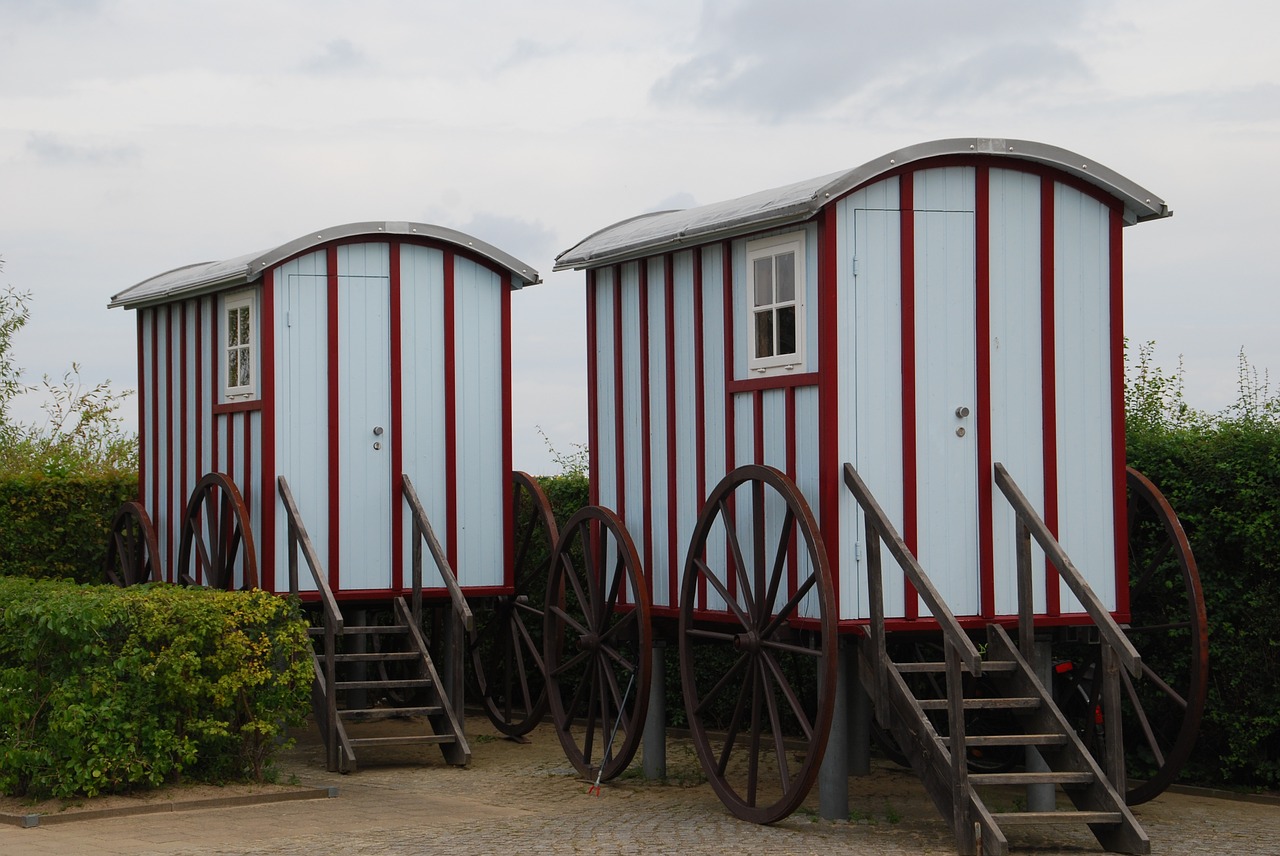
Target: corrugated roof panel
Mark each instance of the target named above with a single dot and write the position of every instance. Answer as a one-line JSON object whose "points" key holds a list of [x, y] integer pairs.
{"points": [[662, 232], [206, 277]]}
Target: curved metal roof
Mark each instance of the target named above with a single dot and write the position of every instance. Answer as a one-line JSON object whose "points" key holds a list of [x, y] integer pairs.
{"points": [[207, 277], [667, 230]]}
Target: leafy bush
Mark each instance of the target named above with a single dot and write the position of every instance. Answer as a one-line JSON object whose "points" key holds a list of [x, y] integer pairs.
{"points": [[1221, 473], [107, 690], [57, 526]]}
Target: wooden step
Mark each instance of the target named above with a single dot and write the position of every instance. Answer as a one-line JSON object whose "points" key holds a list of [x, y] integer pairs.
{"points": [[975, 740], [1052, 777], [365, 630], [934, 667], [1018, 818], [377, 714], [1011, 703], [377, 657], [406, 740], [407, 683]]}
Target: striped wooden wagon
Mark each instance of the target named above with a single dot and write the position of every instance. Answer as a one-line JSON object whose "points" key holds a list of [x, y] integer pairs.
{"points": [[920, 357]]}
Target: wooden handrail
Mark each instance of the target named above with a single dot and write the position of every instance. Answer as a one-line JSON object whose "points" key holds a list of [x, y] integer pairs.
{"points": [[422, 530], [298, 536], [1031, 525], [333, 624], [880, 528]]}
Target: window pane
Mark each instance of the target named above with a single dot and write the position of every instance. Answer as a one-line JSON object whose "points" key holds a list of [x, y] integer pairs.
{"points": [[764, 281], [233, 367], [786, 330], [786, 277], [231, 327], [764, 334], [244, 325], [244, 367]]}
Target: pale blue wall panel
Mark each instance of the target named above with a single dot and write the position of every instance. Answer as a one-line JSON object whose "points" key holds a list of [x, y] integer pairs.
{"points": [[605, 474], [479, 374], [1082, 313], [302, 397], [658, 502], [1017, 426], [422, 369], [688, 501]]}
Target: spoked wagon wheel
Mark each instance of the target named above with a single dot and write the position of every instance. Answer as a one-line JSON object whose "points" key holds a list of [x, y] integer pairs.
{"points": [[133, 554], [759, 684], [506, 645], [597, 644], [215, 531], [1161, 709]]}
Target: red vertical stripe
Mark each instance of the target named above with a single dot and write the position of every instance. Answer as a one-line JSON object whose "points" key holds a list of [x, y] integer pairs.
{"points": [[669, 296], [792, 421], [646, 446], [183, 469], [335, 518], [1118, 453], [451, 408], [504, 486], [172, 500], [397, 420], [267, 369], [982, 418], [700, 400], [907, 250], [216, 369], [1048, 383], [202, 388], [143, 399], [593, 392], [619, 444], [166, 526], [829, 467]]}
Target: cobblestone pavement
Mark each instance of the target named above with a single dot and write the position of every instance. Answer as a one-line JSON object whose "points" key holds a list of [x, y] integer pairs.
{"points": [[525, 799]]}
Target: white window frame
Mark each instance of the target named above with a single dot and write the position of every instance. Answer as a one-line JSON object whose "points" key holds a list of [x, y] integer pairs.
{"points": [[237, 301], [777, 364]]}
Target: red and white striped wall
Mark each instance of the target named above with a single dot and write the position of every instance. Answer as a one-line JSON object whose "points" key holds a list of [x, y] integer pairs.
{"points": [[383, 357], [963, 311]]}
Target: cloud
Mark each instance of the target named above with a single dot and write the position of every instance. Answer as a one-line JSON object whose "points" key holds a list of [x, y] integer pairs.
{"points": [[55, 151], [339, 56], [528, 241], [777, 61]]}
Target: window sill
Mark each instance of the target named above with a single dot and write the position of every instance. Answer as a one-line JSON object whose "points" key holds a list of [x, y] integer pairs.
{"points": [[774, 381], [238, 406]]}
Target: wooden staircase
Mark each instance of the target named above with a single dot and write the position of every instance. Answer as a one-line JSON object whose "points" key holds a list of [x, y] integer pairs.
{"points": [[927, 704], [379, 667], [397, 653]]}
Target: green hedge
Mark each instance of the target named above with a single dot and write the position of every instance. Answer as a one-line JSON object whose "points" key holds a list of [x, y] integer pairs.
{"points": [[1223, 480], [56, 526], [107, 690]]}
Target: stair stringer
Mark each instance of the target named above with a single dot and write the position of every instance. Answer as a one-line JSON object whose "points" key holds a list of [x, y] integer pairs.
{"points": [[320, 707], [930, 758], [1125, 837], [457, 753]]}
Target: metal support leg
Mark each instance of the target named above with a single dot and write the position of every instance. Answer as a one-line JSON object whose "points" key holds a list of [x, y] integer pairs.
{"points": [[833, 775], [859, 721], [1041, 797], [655, 723]]}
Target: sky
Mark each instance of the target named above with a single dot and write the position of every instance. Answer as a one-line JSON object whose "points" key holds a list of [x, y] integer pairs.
{"points": [[137, 136]]}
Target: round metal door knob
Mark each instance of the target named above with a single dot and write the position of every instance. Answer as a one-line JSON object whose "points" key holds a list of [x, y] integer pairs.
{"points": [[960, 431]]}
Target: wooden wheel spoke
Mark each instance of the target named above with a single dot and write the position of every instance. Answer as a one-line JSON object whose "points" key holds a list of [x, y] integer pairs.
{"points": [[739, 562], [1169, 691], [1152, 743], [735, 724], [710, 634], [779, 563], [779, 746], [574, 583], [1159, 628], [627, 621], [615, 588], [729, 600], [611, 681], [784, 686], [568, 619], [1139, 588], [785, 613], [790, 648], [591, 568], [753, 746], [531, 647], [714, 693]]}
